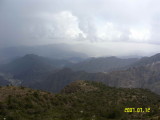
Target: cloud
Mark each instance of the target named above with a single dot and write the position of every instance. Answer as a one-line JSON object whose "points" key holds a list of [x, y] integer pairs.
{"points": [[62, 24], [98, 22]]}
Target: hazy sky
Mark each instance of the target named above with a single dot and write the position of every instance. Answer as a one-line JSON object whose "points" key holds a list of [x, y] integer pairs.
{"points": [[97, 27]]}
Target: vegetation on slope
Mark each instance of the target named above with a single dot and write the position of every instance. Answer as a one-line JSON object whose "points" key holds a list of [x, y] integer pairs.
{"points": [[81, 100]]}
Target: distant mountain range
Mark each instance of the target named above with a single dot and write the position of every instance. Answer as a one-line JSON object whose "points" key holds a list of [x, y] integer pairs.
{"points": [[147, 60], [54, 51], [140, 76], [32, 62], [103, 64], [108, 64], [31, 68], [51, 75]]}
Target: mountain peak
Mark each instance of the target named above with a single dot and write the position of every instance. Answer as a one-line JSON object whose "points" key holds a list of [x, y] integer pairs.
{"points": [[147, 60], [156, 56]]}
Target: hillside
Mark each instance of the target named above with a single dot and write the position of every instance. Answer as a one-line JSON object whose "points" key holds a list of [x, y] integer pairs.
{"points": [[31, 68], [147, 60], [19, 103], [32, 62], [80, 100], [103, 64], [135, 77], [59, 79]]}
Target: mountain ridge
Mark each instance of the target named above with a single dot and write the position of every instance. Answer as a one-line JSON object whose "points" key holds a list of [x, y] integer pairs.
{"points": [[103, 64], [140, 76]]}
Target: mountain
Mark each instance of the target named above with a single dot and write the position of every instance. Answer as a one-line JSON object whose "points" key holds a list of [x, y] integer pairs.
{"points": [[31, 68], [46, 74], [103, 64], [108, 64], [144, 73], [80, 100], [59, 79], [55, 51], [147, 60], [135, 77], [27, 63]]}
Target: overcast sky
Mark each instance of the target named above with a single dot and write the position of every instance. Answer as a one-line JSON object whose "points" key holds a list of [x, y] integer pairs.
{"points": [[97, 27]]}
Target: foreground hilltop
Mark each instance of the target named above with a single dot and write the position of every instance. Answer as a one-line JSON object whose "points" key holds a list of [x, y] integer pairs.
{"points": [[80, 100]]}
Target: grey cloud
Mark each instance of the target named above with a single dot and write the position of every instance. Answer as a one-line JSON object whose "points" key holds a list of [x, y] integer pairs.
{"points": [[89, 28], [23, 22]]}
